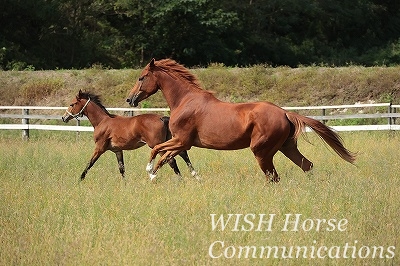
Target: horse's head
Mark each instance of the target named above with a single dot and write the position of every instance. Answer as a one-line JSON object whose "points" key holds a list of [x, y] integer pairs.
{"points": [[76, 108], [145, 86]]}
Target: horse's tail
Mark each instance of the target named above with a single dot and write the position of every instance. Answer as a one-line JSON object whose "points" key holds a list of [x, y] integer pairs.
{"points": [[324, 132]]}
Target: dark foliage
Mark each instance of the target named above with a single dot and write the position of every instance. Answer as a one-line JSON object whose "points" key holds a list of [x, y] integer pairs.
{"points": [[51, 34]]}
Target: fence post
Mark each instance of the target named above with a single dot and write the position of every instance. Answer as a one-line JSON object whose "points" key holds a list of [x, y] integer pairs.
{"points": [[390, 111], [78, 133], [25, 121], [323, 114]]}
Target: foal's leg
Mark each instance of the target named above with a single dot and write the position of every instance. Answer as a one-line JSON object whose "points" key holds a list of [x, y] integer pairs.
{"points": [[289, 149], [173, 165], [185, 157], [97, 153], [120, 159]]}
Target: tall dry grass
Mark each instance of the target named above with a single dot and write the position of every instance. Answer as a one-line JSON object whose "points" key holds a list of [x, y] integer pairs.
{"points": [[47, 217], [283, 86]]}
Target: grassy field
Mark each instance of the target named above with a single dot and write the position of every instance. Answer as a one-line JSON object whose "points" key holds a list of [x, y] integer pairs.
{"points": [[47, 217]]}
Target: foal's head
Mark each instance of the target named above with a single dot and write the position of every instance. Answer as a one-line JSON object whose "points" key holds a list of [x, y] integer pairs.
{"points": [[77, 108]]}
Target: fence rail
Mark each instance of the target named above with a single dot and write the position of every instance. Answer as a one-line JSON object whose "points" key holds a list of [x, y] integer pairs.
{"points": [[386, 111]]}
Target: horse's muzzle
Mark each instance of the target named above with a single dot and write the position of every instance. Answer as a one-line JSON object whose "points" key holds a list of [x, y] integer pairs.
{"points": [[133, 101], [65, 119], [130, 102]]}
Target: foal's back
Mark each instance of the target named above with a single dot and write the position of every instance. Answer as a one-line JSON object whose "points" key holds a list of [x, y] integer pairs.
{"points": [[132, 132]]}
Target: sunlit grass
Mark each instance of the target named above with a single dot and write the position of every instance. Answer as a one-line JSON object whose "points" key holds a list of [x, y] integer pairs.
{"points": [[48, 217]]}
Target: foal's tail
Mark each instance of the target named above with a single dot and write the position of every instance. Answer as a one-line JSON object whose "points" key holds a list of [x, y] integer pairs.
{"points": [[165, 120], [324, 132]]}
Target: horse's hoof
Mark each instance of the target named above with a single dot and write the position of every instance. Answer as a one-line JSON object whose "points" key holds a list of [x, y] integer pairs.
{"points": [[149, 167], [152, 177]]}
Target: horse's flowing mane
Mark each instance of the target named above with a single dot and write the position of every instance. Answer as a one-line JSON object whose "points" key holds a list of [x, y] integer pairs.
{"points": [[169, 65], [96, 99]]}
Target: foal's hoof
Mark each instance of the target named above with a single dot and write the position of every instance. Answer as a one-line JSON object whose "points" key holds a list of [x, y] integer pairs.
{"points": [[195, 175], [274, 179]]}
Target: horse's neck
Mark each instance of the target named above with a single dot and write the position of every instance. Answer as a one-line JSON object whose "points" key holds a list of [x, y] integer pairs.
{"points": [[176, 92], [95, 114]]}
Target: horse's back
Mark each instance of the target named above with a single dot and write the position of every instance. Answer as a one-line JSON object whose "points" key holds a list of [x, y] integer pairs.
{"points": [[224, 125], [266, 116], [262, 112]]}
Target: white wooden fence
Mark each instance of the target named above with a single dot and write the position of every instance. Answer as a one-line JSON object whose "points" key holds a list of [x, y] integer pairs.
{"points": [[337, 112]]}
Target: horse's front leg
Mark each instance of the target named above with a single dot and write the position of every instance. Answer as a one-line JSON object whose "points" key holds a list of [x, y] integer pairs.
{"points": [[172, 146], [95, 156], [156, 149], [150, 164], [165, 158]]}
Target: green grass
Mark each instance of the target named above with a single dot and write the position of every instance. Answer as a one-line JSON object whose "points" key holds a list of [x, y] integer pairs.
{"points": [[47, 217]]}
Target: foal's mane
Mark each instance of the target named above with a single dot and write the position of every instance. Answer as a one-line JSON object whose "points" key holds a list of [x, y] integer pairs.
{"points": [[95, 99], [169, 65]]}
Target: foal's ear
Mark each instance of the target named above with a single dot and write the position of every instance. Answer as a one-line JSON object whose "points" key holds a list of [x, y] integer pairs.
{"points": [[79, 94], [152, 62]]}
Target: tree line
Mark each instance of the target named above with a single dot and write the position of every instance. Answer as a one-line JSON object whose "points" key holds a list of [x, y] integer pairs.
{"points": [[64, 34]]}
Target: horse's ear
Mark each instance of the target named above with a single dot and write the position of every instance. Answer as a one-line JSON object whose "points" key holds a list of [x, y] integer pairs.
{"points": [[152, 63]]}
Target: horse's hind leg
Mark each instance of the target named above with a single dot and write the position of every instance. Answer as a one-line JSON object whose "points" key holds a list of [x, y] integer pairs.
{"points": [[289, 149], [185, 157], [264, 158], [120, 159], [267, 166]]}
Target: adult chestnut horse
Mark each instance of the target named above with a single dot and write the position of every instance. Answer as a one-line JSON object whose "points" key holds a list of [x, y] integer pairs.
{"points": [[118, 133], [199, 119]]}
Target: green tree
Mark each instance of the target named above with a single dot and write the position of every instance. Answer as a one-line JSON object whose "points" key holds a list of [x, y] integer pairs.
{"points": [[49, 34], [192, 31]]}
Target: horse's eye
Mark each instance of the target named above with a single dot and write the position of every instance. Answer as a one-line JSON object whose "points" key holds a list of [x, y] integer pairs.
{"points": [[141, 78]]}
